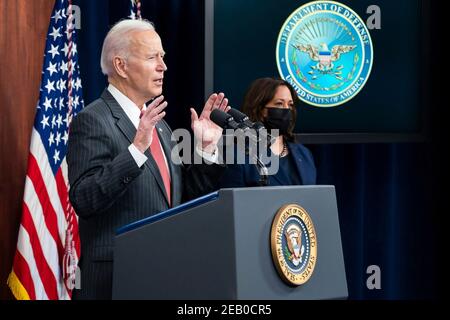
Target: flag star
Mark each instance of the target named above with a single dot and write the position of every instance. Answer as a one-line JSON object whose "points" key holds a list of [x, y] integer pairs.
{"points": [[76, 101], [59, 121], [44, 121], [57, 16], [50, 86], [55, 34], [58, 138], [61, 103], [67, 119], [65, 138], [66, 49], [63, 68], [56, 156], [47, 104], [74, 49], [62, 85], [54, 51], [53, 121], [78, 84], [51, 139], [52, 68]]}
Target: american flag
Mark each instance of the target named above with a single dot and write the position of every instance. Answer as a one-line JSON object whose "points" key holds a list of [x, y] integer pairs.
{"points": [[135, 9], [48, 246]]}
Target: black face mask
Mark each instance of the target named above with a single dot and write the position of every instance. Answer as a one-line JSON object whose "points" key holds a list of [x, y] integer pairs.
{"points": [[278, 118]]}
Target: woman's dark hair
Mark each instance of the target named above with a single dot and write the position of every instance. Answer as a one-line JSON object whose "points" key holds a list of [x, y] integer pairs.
{"points": [[260, 93]]}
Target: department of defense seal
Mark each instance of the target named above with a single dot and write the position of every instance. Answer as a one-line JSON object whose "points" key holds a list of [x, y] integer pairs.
{"points": [[325, 51], [294, 244]]}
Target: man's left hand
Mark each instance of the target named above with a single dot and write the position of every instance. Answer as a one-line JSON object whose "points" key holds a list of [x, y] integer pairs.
{"points": [[206, 132]]}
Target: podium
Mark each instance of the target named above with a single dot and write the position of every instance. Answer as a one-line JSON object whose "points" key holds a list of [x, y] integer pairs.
{"points": [[219, 247]]}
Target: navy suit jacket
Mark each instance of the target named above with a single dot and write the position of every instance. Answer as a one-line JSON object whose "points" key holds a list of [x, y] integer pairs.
{"points": [[246, 175]]}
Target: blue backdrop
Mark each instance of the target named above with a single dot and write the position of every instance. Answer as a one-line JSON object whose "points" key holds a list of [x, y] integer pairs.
{"points": [[387, 193]]}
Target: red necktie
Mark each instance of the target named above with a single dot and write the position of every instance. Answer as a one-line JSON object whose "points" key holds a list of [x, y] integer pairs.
{"points": [[156, 150]]}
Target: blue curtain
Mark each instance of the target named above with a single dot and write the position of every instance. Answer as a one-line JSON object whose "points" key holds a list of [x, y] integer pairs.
{"points": [[384, 191], [387, 218]]}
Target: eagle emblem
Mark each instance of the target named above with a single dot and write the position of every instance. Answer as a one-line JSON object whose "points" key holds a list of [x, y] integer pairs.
{"points": [[323, 55], [294, 242]]}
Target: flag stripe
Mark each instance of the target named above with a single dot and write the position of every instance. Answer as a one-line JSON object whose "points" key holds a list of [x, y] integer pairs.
{"points": [[45, 238], [49, 182], [48, 211], [38, 151], [24, 248], [46, 274], [22, 272]]}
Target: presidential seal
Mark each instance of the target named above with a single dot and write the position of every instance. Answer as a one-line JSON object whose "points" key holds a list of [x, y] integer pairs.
{"points": [[294, 244], [325, 51]]}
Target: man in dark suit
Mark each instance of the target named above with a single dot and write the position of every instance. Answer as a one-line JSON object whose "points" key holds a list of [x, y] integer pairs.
{"points": [[119, 154]]}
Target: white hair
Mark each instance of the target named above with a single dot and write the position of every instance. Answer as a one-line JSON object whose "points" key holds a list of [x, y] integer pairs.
{"points": [[117, 42]]}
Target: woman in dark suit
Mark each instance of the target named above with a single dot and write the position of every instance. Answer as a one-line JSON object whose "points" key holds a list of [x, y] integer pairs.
{"points": [[273, 102]]}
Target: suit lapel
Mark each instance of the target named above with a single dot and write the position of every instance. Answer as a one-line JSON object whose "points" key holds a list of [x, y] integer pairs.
{"points": [[129, 131], [122, 121]]}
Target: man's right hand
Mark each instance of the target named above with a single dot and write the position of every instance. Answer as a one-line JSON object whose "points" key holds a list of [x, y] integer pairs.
{"points": [[149, 119]]}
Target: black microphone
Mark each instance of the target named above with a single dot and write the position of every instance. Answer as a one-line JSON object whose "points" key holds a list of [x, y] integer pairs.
{"points": [[227, 121], [240, 117], [223, 120], [259, 127]]}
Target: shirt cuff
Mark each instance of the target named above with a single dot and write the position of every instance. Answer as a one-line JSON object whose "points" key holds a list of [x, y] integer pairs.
{"points": [[138, 156], [213, 158]]}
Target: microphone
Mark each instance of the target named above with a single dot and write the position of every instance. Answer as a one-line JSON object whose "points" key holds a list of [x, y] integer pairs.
{"points": [[227, 121], [241, 118], [223, 120]]}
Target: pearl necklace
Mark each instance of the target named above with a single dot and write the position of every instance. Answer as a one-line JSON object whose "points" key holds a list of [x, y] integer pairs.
{"points": [[284, 151]]}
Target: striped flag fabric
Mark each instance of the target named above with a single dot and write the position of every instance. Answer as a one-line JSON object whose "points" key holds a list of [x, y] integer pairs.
{"points": [[48, 245], [135, 10]]}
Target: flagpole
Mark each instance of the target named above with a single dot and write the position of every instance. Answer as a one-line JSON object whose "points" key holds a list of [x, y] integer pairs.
{"points": [[69, 57]]}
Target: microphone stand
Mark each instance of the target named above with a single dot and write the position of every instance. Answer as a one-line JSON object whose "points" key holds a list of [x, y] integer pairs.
{"points": [[263, 173], [262, 169]]}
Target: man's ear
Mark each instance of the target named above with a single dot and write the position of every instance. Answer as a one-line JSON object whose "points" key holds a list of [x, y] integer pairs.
{"points": [[120, 66]]}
